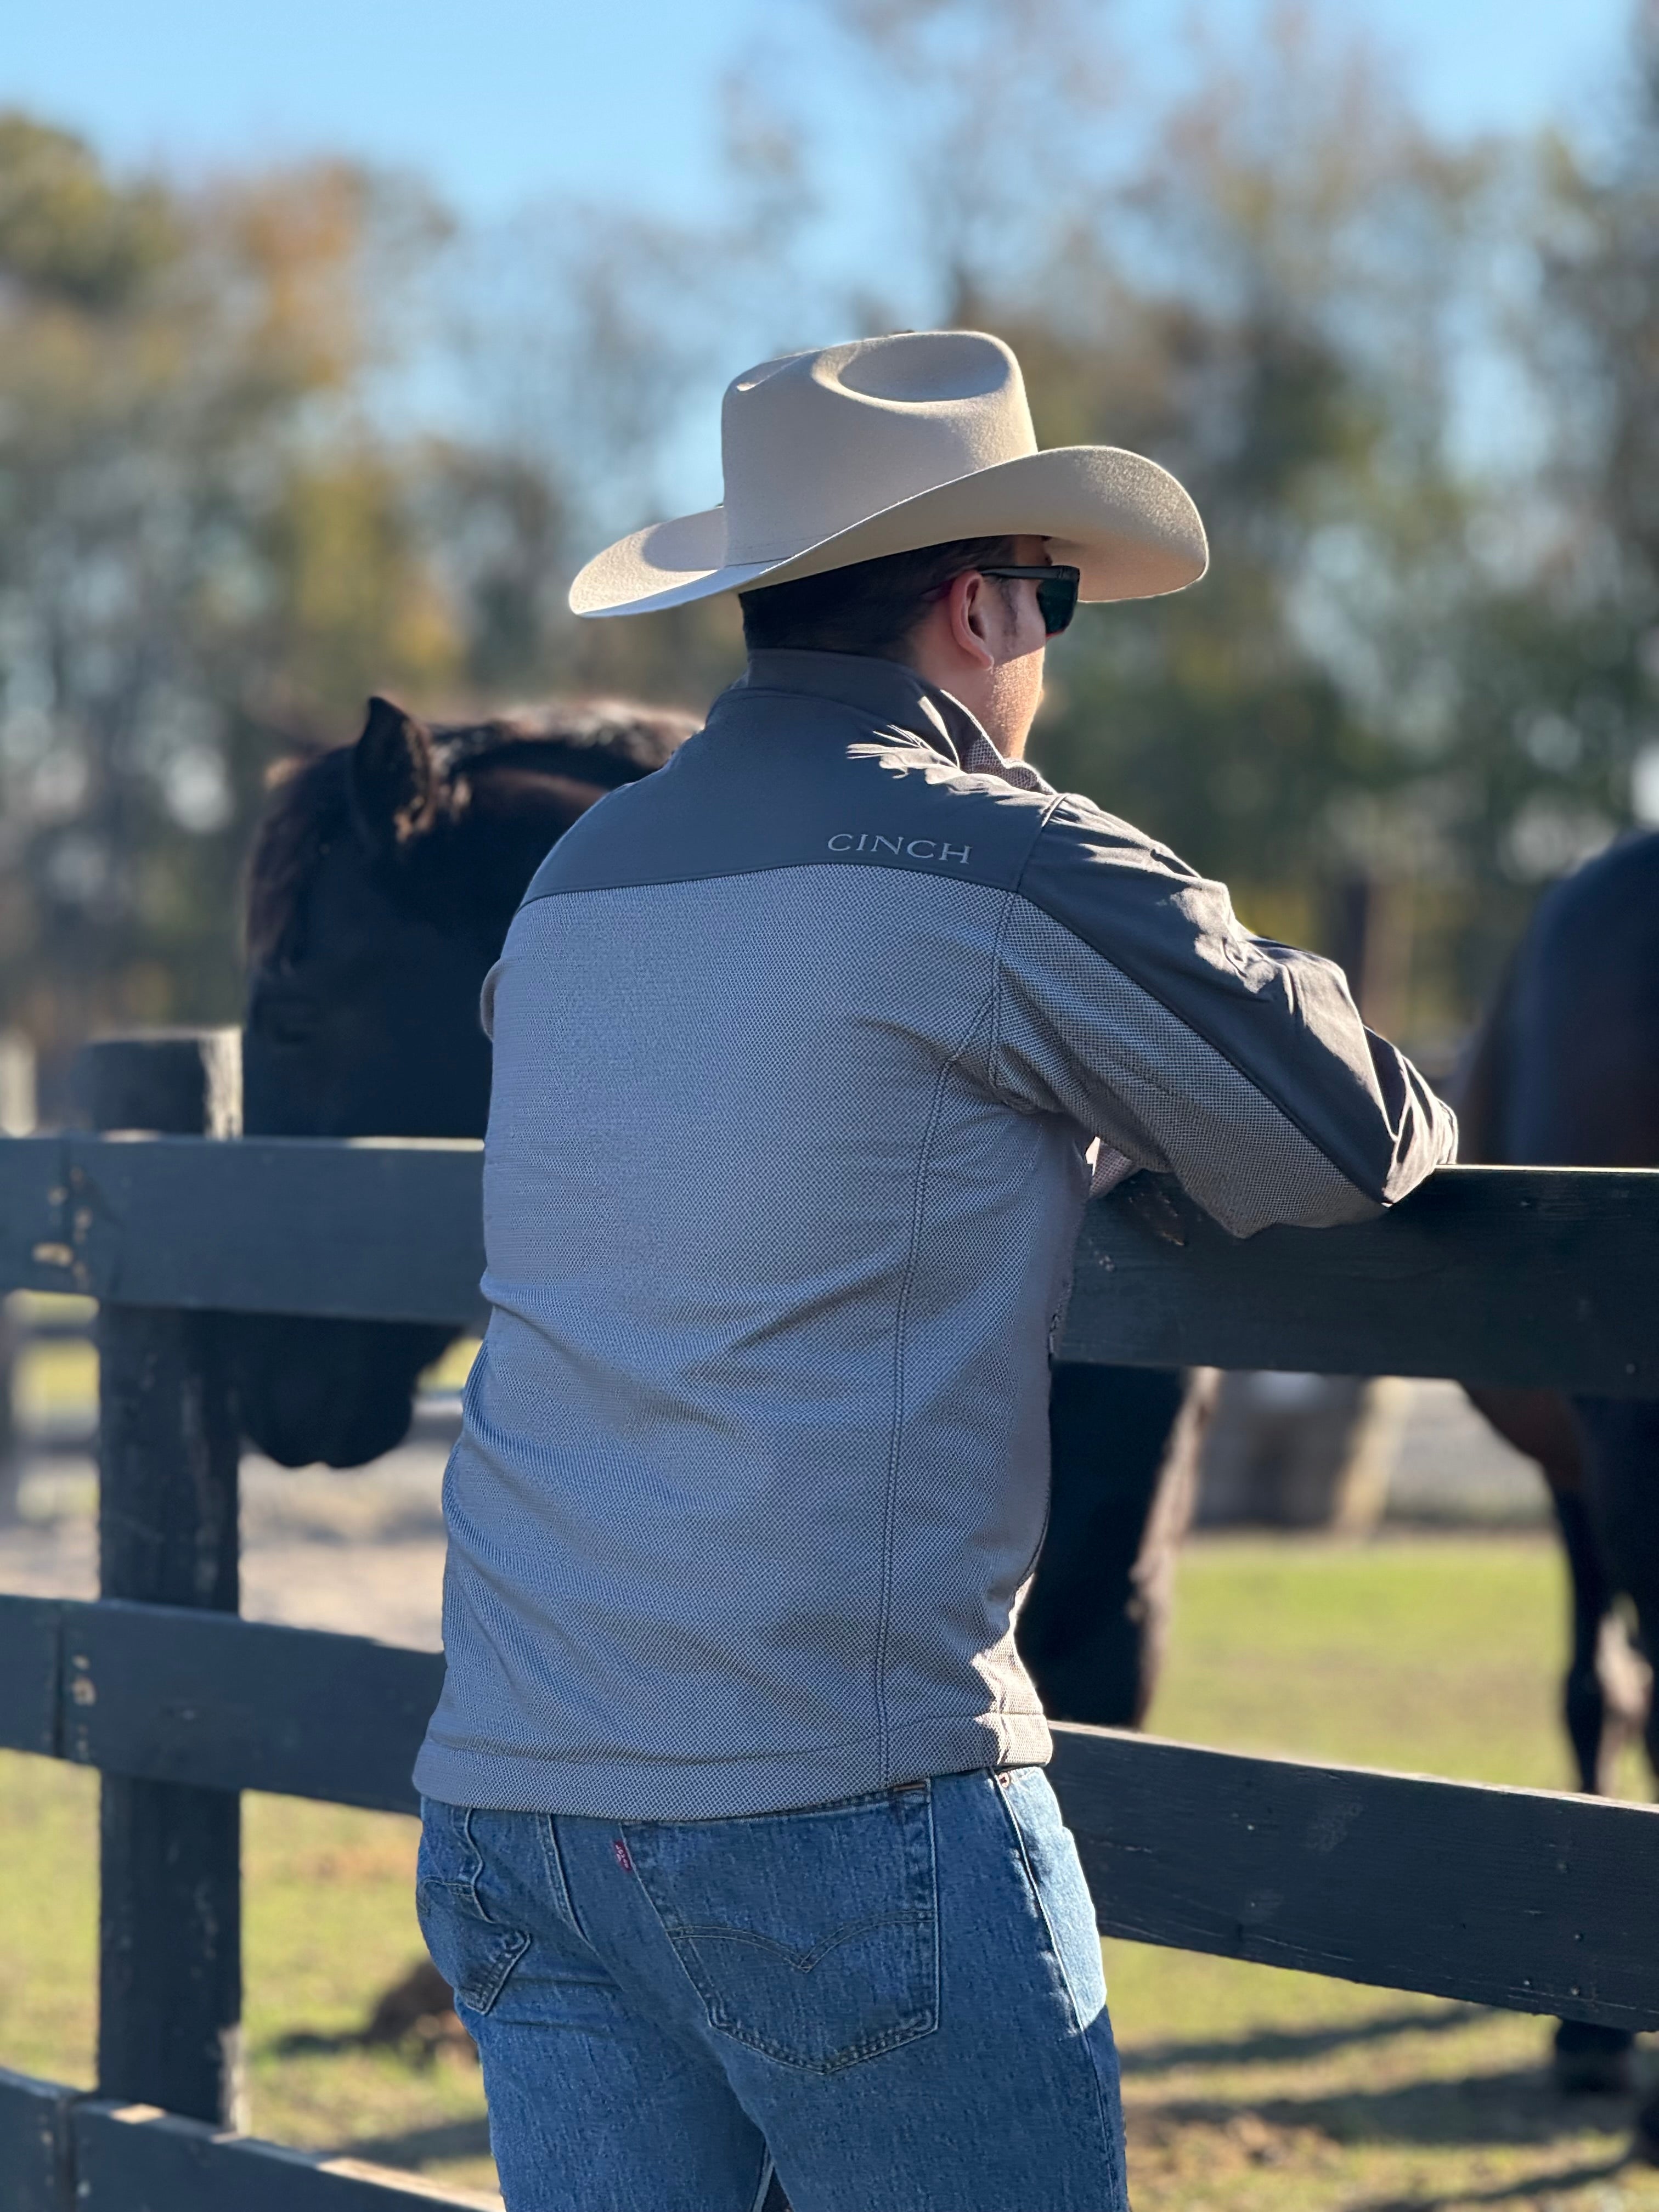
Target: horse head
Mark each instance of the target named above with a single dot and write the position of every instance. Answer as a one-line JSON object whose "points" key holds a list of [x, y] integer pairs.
{"points": [[383, 878]]}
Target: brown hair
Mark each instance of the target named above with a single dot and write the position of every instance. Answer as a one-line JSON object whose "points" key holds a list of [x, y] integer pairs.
{"points": [[870, 607]]}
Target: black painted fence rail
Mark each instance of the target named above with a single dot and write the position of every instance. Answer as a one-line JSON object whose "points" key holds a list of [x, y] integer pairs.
{"points": [[61, 2151], [1503, 1897], [1527, 1275]]}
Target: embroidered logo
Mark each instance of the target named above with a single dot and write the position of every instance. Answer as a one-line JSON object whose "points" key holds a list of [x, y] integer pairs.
{"points": [[620, 1851], [901, 849]]}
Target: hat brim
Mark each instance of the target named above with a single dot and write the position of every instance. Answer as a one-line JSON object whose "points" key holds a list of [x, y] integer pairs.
{"points": [[1121, 518]]}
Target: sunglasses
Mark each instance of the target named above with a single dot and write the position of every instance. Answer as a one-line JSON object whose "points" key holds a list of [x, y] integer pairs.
{"points": [[1057, 590]]}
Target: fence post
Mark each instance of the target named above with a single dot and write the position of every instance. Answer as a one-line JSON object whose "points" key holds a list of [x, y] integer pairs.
{"points": [[170, 1969]]}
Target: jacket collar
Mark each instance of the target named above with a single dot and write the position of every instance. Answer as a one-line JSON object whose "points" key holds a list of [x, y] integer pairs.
{"points": [[892, 697]]}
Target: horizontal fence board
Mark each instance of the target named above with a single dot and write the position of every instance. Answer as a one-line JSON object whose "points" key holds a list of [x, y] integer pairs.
{"points": [[394, 1232], [1505, 1897], [1521, 1275], [1536, 1276], [29, 1674], [356, 1229], [168, 1695], [133, 2159], [35, 2174], [1515, 1898]]}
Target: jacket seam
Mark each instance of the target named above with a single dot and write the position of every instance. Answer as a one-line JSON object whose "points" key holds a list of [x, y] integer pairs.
{"points": [[1016, 891], [1048, 814], [501, 1754], [1376, 1195], [773, 868], [994, 1043], [918, 1205]]}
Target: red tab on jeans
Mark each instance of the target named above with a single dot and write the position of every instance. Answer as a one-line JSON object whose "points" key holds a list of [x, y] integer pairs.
{"points": [[622, 1859]]}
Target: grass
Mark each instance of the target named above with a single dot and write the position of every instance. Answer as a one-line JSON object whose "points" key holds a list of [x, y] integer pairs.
{"points": [[1245, 2087]]}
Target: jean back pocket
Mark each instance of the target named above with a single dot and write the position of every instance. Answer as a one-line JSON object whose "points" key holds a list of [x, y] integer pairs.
{"points": [[474, 1945], [811, 1937]]}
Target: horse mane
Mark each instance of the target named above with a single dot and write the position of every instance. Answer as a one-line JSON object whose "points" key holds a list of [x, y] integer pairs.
{"points": [[607, 742]]}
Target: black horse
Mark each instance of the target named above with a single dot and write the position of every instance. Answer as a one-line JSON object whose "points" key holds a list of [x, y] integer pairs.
{"points": [[382, 881], [1565, 1073]]}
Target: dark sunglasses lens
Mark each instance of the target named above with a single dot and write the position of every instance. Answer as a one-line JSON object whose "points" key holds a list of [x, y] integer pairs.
{"points": [[1057, 601]]}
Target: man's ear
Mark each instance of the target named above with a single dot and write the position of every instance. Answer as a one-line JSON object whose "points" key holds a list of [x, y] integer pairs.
{"points": [[393, 778], [967, 604]]}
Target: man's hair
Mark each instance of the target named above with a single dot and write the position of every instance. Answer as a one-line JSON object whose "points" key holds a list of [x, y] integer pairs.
{"points": [[871, 607]]}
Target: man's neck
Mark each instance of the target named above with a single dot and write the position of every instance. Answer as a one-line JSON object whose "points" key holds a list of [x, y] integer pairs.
{"points": [[997, 698], [894, 691]]}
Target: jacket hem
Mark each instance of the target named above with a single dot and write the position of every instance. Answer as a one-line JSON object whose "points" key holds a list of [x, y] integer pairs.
{"points": [[727, 1788]]}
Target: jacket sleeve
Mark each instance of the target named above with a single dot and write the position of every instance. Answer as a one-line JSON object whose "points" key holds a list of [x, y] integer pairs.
{"points": [[1129, 998]]}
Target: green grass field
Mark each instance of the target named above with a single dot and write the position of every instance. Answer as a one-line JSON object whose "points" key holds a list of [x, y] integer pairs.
{"points": [[1246, 2088]]}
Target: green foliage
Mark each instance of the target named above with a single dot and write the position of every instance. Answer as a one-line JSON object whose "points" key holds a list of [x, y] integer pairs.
{"points": [[1204, 717], [206, 555], [66, 233]]}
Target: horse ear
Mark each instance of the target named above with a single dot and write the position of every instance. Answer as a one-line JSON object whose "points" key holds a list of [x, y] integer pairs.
{"points": [[394, 777]]}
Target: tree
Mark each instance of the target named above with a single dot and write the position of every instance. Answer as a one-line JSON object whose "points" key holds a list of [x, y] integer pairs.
{"points": [[202, 550]]}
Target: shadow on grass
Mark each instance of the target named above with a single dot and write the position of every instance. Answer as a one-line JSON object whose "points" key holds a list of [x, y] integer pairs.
{"points": [[1515, 2108], [1282, 2046], [1536, 2184], [1511, 2109], [419, 2147]]}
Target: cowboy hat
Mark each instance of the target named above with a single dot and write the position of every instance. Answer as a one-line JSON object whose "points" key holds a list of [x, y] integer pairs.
{"points": [[886, 445]]}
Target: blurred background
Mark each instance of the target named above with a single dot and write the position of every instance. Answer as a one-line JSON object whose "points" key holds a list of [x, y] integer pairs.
{"points": [[332, 341], [334, 338]]}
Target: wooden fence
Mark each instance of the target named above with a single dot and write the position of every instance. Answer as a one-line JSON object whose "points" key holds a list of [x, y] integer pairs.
{"points": [[1524, 1898]]}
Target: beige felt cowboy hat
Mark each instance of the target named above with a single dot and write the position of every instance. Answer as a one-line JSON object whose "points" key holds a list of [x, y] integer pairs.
{"points": [[886, 445]]}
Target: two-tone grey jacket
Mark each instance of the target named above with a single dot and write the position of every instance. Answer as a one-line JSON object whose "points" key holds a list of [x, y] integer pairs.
{"points": [[800, 1046]]}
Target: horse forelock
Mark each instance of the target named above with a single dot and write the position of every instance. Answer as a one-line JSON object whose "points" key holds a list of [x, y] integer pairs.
{"points": [[603, 742]]}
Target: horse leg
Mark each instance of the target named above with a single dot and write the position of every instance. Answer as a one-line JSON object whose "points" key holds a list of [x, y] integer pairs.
{"points": [[1618, 1533], [1622, 1488], [1542, 1424], [1174, 1499], [1584, 1706], [1588, 2058], [1123, 1443]]}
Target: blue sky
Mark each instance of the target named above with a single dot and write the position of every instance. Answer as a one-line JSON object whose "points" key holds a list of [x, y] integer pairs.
{"points": [[509, 104], [503, 101]]}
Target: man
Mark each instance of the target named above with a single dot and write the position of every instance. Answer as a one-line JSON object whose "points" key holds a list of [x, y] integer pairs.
{"points": [[738, 1851]]}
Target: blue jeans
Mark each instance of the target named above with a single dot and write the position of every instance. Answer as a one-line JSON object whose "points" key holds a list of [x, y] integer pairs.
{"points": [[896, 2001]]}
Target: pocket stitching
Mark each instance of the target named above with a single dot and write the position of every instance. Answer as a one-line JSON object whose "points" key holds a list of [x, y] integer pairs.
{"points": [[553, 1859], [909, 2027], [507, 1944], [803, 1962]]}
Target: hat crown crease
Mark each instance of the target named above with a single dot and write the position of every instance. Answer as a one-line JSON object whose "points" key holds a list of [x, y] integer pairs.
{"points": [[815, 443]]}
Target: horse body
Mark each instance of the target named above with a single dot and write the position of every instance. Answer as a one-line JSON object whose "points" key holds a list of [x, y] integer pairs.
{"points": [[1565, 1073], [382, 883]]}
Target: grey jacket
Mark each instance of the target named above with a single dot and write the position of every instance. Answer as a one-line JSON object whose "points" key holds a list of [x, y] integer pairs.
{"points": [[800, 1047]]}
